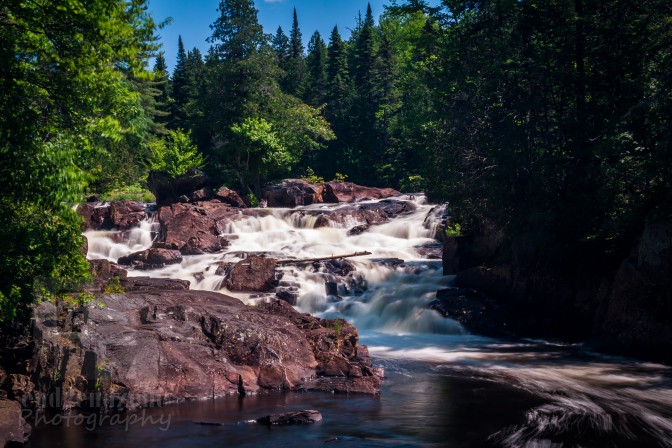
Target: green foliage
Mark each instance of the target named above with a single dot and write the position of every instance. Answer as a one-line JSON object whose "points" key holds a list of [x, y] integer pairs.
{"points": [[65, 103], [311, 177], [114, 286], [413, 184], [453, 230], [253, 200], [338, 177], [135, 192], [175, 154]]}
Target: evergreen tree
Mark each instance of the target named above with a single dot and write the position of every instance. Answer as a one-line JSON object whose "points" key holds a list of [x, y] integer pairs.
{"points": [[164, 99], [366, 101], [281, 47], [315, 89], [296, 66], [180, 88]]}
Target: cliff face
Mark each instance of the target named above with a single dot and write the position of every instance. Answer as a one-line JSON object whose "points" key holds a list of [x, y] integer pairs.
{"points": [[619, 304]]}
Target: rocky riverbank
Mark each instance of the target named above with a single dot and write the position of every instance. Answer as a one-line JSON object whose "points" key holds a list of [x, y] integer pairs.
{"points": [[618, 302]]}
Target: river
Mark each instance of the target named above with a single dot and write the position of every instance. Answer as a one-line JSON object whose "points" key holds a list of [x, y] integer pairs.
{"points": [[443, 387]]}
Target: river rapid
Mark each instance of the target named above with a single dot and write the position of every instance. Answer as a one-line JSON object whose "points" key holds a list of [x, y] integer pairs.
{"points": [[444, 386]]}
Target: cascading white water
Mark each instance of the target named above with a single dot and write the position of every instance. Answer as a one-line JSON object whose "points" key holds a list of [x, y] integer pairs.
{"points": [[113, 244], [395, 298]]}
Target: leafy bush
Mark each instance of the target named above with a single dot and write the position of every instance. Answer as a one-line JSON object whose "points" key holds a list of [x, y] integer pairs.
{"points": [[339, 177], [175, 154], [134, 192], [311, 177]]}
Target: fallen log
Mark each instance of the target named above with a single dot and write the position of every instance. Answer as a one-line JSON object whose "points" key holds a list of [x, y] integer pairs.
{"points": [[333, 257]]}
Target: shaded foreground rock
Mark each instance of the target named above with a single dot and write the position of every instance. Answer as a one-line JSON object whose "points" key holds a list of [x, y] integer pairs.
{"points": [[14, 431], [478, 313], [617, 299], [292, 418], [144, 349]]}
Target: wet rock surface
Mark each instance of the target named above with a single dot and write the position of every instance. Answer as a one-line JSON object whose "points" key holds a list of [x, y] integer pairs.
{"points": [[292, 193], [359, 217], [335, 192], [194, 229], [154, 258], [254, 274], [96, 215], [292, 418], [475, 311], [126, 214]]}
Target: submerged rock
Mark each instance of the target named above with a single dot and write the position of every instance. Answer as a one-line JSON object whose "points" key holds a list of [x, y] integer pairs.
{"points": [[292, 418]]}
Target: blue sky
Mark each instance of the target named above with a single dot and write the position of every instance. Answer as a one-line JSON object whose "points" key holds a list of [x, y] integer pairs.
{"points": [[192, 19]]}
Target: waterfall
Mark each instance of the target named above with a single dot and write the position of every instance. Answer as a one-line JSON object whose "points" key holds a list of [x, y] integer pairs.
{"points": [[390, 289]]}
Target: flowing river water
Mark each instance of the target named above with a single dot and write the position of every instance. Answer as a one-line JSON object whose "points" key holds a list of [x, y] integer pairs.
{"points": [[443, 387]]}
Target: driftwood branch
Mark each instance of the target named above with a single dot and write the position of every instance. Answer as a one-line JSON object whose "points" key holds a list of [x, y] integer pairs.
{"points": [[333, 257]]}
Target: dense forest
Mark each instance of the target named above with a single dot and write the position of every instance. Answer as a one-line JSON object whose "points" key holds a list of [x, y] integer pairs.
{"points": [[549, 116]]}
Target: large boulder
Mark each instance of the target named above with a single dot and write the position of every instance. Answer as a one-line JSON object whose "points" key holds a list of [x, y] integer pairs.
{"points": [[335, 192], [638, 306], [230, 197], [254, 274], [14, 430], [167, 190], [194, 229], [293, 193], [144, 349], [96, 215], [154, 258], [359, 217], [126, 214]]}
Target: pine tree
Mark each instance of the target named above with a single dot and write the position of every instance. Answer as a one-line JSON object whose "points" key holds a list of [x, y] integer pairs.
{"points": [[315, 90], [367, 99], [180, 88], [281, 47], [163, 100], [296, 67]]}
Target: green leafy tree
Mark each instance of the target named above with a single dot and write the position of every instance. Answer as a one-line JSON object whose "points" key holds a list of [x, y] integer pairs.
{"points": [[64, 102], [175, 154]]}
